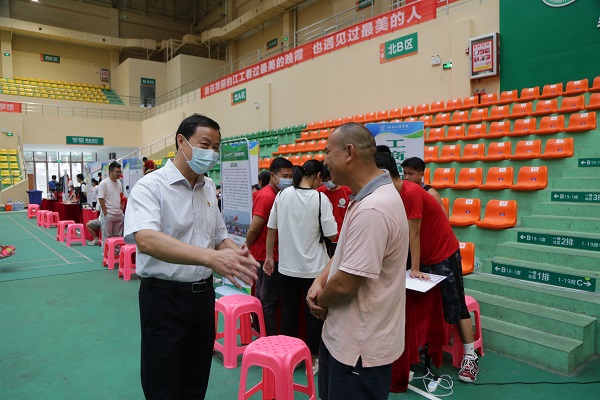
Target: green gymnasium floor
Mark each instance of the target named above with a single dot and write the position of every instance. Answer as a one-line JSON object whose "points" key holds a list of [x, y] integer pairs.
{"points": [[70, 330]]}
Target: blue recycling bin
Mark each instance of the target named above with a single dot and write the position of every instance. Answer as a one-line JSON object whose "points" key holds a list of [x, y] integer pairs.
{"points": [[35, 197]]}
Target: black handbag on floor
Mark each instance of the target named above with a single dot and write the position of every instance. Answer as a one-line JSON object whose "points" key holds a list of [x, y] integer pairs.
{"points": [[329, 245]]}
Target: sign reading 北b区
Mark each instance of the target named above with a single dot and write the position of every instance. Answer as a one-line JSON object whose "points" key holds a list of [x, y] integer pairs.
{"points": [[398, 48], [50, 58], [10, 107], [98, 141]]}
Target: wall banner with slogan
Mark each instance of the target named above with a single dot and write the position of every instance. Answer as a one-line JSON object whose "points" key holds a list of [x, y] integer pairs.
{"points": [[10, 107], [405, 139]]}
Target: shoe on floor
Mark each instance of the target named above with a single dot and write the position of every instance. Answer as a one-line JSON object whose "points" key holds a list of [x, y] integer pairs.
{"points": [[93, 242], [217, 280], [469, 368], [315, 367]]}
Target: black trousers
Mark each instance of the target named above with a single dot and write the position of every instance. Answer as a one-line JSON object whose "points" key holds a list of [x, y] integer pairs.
{"points": [[178, 334], [267, 293], [292, 291]]}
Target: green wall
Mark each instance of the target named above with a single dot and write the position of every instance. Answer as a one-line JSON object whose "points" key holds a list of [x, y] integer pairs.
{"points": [[541, 45]]}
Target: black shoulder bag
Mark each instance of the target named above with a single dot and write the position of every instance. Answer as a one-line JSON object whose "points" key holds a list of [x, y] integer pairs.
{"points": [[329, 245]]}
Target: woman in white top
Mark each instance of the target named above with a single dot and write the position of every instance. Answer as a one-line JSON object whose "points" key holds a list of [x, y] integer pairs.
{"points": [[294, 219]]}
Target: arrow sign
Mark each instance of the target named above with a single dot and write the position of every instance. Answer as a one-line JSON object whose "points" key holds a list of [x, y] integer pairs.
{"points": [[522, 236], [497, 268], [587, 284]]}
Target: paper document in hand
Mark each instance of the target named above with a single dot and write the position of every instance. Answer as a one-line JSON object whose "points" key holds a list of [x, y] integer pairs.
{"points": [[420, 285]]}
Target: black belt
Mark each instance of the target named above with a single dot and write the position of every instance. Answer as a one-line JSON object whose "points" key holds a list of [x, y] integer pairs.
{"points": [[190, 287]]}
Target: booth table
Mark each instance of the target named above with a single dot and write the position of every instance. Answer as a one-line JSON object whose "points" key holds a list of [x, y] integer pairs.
{"points": [[48, 204], [67, 211], [87, 214]]}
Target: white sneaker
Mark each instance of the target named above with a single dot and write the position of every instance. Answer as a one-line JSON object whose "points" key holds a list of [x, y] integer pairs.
{"points": [[315, 367], [217, 280], [93, 242]]}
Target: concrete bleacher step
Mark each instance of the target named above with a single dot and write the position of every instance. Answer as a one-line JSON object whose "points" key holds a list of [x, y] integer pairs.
{"points": [[581, 172], [558, 353], [576, 183], [578, 210], [567, 222]]}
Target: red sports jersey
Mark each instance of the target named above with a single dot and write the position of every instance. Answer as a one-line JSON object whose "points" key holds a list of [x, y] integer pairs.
{"points": [[339, 200], [262, 203]]}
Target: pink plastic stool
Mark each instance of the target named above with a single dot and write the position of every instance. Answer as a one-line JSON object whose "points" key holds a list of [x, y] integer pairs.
{"points": [[52, 219], [61, 233], [126, 263], [456, 349], [73, 236], [233, 307], [108, 255], [41, 217], [278, 357], [32, 211]]}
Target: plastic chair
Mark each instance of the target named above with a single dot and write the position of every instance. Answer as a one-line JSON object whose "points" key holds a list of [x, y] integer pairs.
{"points": [[488, 99], [582, 122], [319, 124], [549, 125], [408, 111], [467, 254], [443, 178], [470, 102], [301, 147], [435, 135], [321, 144], [450, 153], [437, 106], [469, 178], [426, 176], [394, 113], [551, 91], [531, 93], [455, 133], [527, 150], [499, 214], [476, 131], [497, 113], [73, 236], [61, 232], [360, 118], [465, 212], [454, 104], [233, 308], [498, 151], [531, 178], [430, 154], [576, 87], [305, 158], [572, 104], [509, 96], [523, 127], [441, 119], [498, 129], [126, 261], [446, 203], [478, 115], [498, 178], [459, 117], [32, 210], [371, 117], [303, 137], [559, 148], [314, 135], [521, 110], [596, 85], [594, 103], [473, 152], [456, 349], [278, 357], [330, 123], [282, 149], [426, 119], [422, 109], [41, 217], [295, 161], [546, 107], [291, 148], [109, 245], [382, 115]]}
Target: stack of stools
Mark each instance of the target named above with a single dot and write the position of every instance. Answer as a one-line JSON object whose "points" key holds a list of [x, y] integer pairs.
{"points": [[52, 219], [32, 211], [75, 234], [61, 230], [109, 246], [234, 307], [41, 217], [456, 349], [278, 357], [126, 263]]}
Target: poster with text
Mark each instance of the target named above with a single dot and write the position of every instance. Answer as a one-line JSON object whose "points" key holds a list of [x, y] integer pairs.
{"points": [[405, 139], [132, 172]]}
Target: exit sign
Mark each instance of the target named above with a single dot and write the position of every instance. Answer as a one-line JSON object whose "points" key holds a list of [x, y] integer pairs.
{"points": [[271, 43], [238, 97], [148, 81]]}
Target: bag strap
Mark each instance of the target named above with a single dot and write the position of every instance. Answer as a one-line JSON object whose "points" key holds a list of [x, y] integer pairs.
{"points": [[320, 226]]}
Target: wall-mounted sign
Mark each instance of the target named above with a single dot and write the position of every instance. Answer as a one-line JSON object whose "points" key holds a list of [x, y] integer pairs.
{"points": [[360, 4], [271, 43], [148, 82], [398, 48], [50, 58], [557, 3], [104, 74], [98, 141], [10, 107], [484, 56], [237, 97]]}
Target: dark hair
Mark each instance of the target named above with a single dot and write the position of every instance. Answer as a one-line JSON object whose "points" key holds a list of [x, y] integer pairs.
{"points": [[94, 181], [99, 173], [387, 162], [145, 159], [280, 163], [382, 148], [326, 173], [255, 187], [217, 186], [189, 125], [310, 168], [263, 178], [53, 176], [113, 165], [415, 163], [80, 176]]}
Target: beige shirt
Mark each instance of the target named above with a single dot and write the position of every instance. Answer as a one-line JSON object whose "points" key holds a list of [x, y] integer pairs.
{"points": [[373, 243]]}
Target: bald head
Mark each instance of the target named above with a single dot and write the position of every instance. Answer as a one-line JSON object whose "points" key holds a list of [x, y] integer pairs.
{"points": [[356, 135]]}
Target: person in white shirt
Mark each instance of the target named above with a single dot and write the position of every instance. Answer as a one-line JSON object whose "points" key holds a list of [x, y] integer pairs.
{"points": [[173, 217], [294, 219], [109, 197]]}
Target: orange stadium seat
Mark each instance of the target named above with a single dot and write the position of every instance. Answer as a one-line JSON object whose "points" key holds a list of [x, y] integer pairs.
{"points": [[426, 120], [310, 126], [411, 119], [476, 131], [426, 176], [311, 146], [469, 178], [559, 148], [435, 135], [521, 110], [498, 112], [330, 123], [371, 117], [499, 214], [300, 147], [551, 91], [523, 127], [459, 117], [531, 93], [321, 144], [338, 122], [320, 125], [436, 107], [470, 102], [572, 104], [359, 119], [443, 178], [498, 151], [596, 85], [446, 203], [489, 99], [576, 87], [509, 96], [349, 118], [478, 115], [291, 148], [382, 115], [498, 129], [422, 109], [295, 160], [473, 152], [551, 124], [454, 104], [282, 149], [546, 107], [582, 122], [313, 135], [455, 133], [323, 134], [465, 212], [449, 153], [431, 154], [265, 163], [394, 113], [498, 178], [408, 111], [594, 103], [527, 150], [441, 119], [467, 255], [303, 137], [319, 157], [305, 158], [531, 178]]}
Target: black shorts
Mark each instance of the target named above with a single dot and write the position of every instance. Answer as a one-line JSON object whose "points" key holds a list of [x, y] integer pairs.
{"points": [[452, 288]]}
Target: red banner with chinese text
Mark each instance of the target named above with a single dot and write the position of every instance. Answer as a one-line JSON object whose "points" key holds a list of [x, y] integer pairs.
{"points": [[418, 11], [9, 106]]}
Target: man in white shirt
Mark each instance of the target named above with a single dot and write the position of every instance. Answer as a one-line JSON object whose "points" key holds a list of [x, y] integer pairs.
{"points": [[109, 197], [181, 239]]}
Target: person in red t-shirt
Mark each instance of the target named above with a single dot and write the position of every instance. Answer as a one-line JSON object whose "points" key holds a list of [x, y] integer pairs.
{"points": [[256, 239], [435, 249], [339, 196], [149, 165]]}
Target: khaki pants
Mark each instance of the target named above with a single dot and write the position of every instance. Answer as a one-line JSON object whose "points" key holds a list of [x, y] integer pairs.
{"points": [[112, 225]]}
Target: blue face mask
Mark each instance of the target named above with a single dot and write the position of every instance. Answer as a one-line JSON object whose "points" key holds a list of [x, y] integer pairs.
{"points": [[283, 183], [329, 185], [202, 159]]}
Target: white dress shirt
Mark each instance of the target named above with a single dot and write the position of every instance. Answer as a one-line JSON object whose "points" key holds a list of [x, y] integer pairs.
{"points": [[164, 201]]}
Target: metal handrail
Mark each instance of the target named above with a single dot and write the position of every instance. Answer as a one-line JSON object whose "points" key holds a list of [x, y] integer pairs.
{"points": [[80, 112]]}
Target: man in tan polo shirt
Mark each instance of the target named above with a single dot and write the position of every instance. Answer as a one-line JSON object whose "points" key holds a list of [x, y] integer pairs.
{"points": [[361, 293]]}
